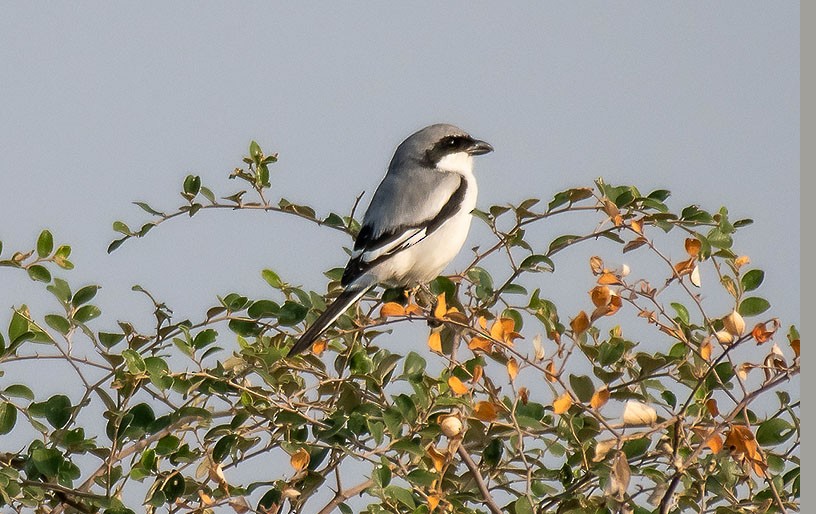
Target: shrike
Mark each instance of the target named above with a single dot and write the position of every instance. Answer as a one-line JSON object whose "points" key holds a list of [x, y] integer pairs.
{"points": [[416, 223]]}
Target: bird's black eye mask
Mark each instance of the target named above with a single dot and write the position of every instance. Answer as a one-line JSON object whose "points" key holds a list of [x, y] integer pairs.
{"points": [[448, 145]]}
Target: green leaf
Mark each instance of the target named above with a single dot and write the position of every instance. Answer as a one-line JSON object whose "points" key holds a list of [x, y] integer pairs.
{"points": [[752, 279], [86, 313], [404, 496], [148, 209], [122, 228], [47, 461], [774, 431], [263, 309], [753, 306], [682, 312], [173, 486], [382, 476], [561, 242], [39, 273], [61, 290], [611, 351], [8, 417], [45, 244], [134, 362], [582, 387], [291, 313], [109, 340], [522, 506], [272, 278], [19, 391], [414, 365], [84, 295], [636, 447], [534, 263], [224, 447], [56, 410], [58, 323], [192, 185]]}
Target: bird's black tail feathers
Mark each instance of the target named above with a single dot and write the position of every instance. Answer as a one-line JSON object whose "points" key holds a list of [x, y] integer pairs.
{"points": [[348, 297]]}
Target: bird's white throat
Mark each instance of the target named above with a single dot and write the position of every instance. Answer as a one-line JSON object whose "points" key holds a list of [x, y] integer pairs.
{"points": [[459, 162]]}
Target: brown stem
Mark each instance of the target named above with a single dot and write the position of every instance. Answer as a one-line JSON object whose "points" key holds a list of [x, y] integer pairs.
{"points": [[480, 483], [342, 495]]}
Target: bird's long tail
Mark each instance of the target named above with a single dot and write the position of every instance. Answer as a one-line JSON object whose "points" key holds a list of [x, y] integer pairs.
{"points": [[347, 298]]}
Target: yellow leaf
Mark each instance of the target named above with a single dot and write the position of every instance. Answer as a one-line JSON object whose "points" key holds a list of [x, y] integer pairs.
{"points": [[438, 458], [599, 398], [637, 226], [441, 307], [705, 349], [478, 370], [562, 403], [433, 502], [456, 385], [579, 323], [435, 342], [693, 246], [480, 343], [512, 368], [485, 411], [741, 261], [483, 323], [392, 309], [299, 460], [205, 498]]}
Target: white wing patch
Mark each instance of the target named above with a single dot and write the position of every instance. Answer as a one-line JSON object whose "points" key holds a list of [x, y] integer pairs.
{"points": [[407, 239]]}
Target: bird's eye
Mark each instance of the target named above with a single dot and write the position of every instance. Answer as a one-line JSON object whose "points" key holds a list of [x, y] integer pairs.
{"points": [[451, 141]]}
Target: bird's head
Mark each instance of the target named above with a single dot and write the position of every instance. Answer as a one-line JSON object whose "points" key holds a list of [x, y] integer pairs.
{"points": [[443, 147]]}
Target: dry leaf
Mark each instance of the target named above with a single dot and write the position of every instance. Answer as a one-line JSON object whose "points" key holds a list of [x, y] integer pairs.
{"points": [[483, 323], [741, 443], [433, 502], [524, 395], [599, 398], [391, 309], [538, 347], [694, 278], [637, 226], [715, 443], [741, 261], [762, 333], [608, 278], [512, 368], [724, 337], [711, 405], [503, 330], [596, 265], [562, 403], [684, 267], [795, 346], [693, 246], [435, 342], [205, 498], [485, 411], [550, 373], [413, 310], [299, 460], [579, 323], [602, 448], [734, 324], [457, 386], [619, 476], [637, 413]]}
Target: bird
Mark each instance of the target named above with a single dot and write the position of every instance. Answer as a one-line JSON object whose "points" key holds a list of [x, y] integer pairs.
{"points": [[416, 222]]}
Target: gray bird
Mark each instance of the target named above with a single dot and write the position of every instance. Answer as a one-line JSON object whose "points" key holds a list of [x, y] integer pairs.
{"points": [[416, 223]]}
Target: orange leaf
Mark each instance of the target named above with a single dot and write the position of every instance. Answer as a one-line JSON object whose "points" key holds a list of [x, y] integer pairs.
{"points": [[705, 349], [684, 267], [599, 398], [795, 346], [392, 309], [579, 323], [319, 346], [435, 342], [524, 395], [433, 502], [693, 246], [497, 331], [600, 295], [562, 403], [438, 458], [614, 305], [485, 411], [480, 343], [762, 334], [550, 372], [610, 279], [299, 460], [478, 370], [715, 443], [441, 307], [596, 264], [512, 368], [711, 405], [483, 323], [413, 309], [741, 443], [457, 386]]}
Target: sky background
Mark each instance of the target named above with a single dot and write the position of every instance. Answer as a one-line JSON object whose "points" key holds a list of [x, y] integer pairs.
{"points": [[103, 104]]}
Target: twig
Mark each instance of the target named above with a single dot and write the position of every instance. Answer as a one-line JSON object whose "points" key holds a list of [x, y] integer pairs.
{"points": [[340, 496], [480, 483]]}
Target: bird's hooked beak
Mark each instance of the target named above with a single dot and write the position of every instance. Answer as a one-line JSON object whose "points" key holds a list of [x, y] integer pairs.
{"points": [[479, 147]]}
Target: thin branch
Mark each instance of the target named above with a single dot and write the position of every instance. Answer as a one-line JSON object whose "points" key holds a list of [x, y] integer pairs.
{"points": [[480, 483], [342, 495]]}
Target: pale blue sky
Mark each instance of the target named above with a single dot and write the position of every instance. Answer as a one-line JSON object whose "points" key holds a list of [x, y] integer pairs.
{"points": [[105, 103]]}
